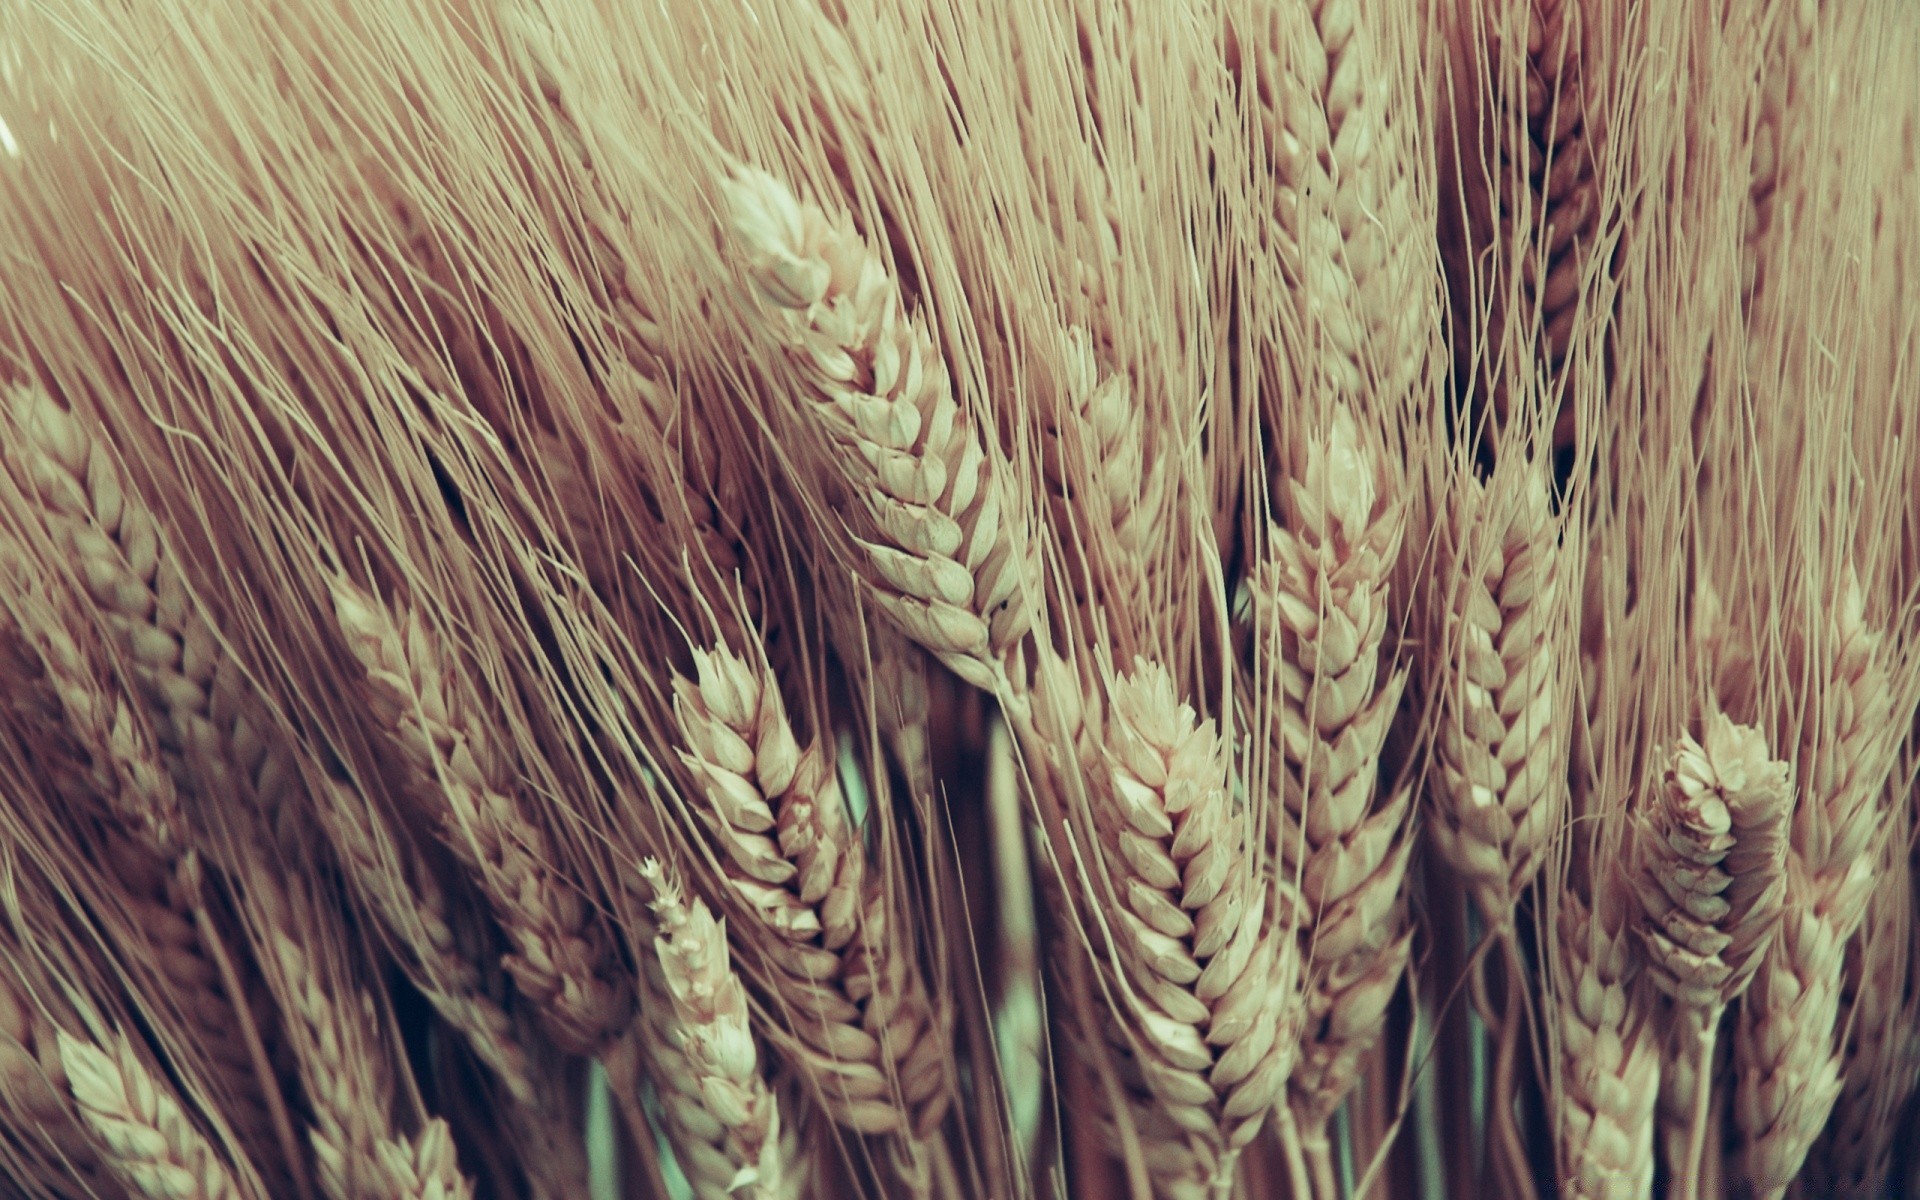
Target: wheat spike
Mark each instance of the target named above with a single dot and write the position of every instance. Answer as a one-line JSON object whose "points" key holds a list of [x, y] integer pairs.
{"points": [[1501, 746], [398, 884], [1786, 1070], [864, 1031], [1322, 594], [1882, 1049], [209, 738], [1848, 746], [1197, 940], [1790, 1076], [346, 1083], [1106, 485], [951, 560], [562, 960], [1548, 148], [424, 1167], [1608, 1057], [147, 1138], [36, 1109], [730, 1138], [1343, 201], [152, 859], [1708, 865]]}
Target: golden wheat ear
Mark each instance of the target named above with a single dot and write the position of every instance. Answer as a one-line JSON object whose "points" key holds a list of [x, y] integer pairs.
{"points": [[946, 549]]}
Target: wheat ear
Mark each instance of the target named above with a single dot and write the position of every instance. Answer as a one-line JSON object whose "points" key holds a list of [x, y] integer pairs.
{"points": [[1708, 869], [397, 883], [37, 1114], [209, 739], [1344, 202], [145, 1135], [424, 1167], [1608, 1054], [706, 1063], [1789, 1060], [1321, 597], [1547, 148], [863, 1029], [158, 870], [1882, 1048], [563, 961], [950, 549], [1205, 986], [1500, 792], [1501, 743], [1104, 480]]}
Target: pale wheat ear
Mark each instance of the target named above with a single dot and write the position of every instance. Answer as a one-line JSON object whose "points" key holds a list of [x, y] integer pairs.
{"points": [[562, 959], [727, 1119], [945, 545]]}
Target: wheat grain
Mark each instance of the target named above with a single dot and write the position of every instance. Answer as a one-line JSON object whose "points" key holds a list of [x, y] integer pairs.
{"points": [[147, 1137], [706, 1065], [1608, 1056], [562, 960], [951, 563], [863, 1030]]}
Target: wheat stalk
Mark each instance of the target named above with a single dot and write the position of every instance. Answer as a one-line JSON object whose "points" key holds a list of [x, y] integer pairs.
{"points": [[147, 1138], [562, 960], [950, 559], [863, 1030]]}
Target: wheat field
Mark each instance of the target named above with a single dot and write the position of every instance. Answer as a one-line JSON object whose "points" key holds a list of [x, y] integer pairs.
{"points": [[784, 599]]}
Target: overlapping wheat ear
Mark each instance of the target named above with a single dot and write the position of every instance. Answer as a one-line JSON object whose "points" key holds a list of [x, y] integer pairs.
{"points": [[1785, 1043], [857, 1020]]}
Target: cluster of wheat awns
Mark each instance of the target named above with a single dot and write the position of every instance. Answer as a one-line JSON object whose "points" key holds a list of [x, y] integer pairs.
{"points": [[983, 598]]}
